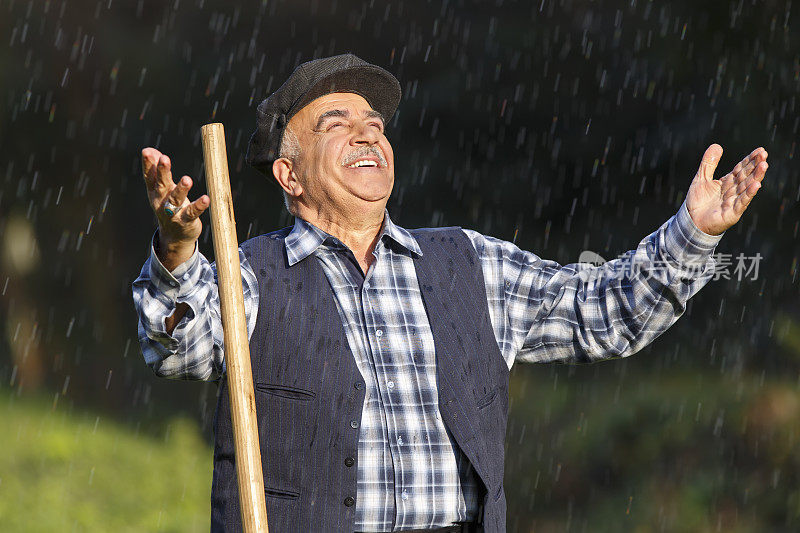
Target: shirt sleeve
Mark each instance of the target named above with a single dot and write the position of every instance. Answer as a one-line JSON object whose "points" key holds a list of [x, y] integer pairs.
{"points": [[195, 349], [542, 311]]}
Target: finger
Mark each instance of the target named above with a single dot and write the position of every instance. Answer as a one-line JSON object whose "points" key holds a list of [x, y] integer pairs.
{"points": [[743, 178], [758, 151], [757, 158], [751, 165], [149, 160], [744, 199], [745, 163], [749, 169], [709, 162], [761, 171], [196, 208], [178, 195], [741, 175], [756, 174], [741, 165], [749, 192], [164, 173]]}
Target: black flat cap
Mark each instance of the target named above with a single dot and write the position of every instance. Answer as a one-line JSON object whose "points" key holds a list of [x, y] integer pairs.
{"points": [[344, 73]]}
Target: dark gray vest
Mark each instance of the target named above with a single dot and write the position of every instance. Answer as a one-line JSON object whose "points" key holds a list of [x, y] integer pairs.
{"points": [[309, 392]]}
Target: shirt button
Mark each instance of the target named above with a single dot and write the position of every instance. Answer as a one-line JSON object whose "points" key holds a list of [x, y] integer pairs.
{"points": [[404, 495], [186, 277], [349, 501], [354, 424], [390, 384], [358, 385], [349, 461], [400, 441], [379, 333], [173, 283]]}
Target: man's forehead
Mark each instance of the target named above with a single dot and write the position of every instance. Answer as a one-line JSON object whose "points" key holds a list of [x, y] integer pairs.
{"points": [[336, 101]]}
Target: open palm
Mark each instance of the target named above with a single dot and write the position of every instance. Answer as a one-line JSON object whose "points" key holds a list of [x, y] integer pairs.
{"points": [[716, 205]]}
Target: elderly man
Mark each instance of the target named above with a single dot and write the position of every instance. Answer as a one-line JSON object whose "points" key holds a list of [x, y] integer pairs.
{"points": [[380, 355]]}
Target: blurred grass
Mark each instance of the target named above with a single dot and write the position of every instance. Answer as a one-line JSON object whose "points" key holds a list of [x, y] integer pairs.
{"points": [[593, 448], [81, 472], [666, 451]]}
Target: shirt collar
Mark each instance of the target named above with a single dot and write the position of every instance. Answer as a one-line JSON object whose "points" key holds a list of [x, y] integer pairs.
{"points": [[305, 238]]}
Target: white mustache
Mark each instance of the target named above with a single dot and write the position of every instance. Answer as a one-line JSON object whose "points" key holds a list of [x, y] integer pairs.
{"points": [[364, 151]]}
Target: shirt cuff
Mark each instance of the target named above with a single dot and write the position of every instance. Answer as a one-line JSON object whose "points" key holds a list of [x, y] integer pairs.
{"points": [[176, 284], [685, 242]]}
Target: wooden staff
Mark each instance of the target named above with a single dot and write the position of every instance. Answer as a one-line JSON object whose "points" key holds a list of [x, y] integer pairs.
{"points": [[237, 348]]}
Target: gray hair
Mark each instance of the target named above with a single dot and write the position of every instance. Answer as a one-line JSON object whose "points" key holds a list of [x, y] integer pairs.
{"points": [[290, 149]]}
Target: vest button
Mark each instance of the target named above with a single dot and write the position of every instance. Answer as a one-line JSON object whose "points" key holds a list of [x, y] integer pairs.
{"points": [[349, 461], [349, 501], [354, 424], [358, 385]]}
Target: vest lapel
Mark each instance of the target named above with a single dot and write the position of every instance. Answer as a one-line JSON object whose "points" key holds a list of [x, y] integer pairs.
{"points": [[453, 323]]}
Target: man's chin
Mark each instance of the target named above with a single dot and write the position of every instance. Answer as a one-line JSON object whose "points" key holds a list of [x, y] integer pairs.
{"points": [[373, 193], [374, 199]]}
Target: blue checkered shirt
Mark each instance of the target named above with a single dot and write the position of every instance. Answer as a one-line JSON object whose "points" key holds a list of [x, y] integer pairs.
{"points": [[411, 474]]}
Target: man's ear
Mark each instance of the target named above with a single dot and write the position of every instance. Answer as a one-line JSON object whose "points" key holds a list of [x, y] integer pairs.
{"points": [[284, 174]]}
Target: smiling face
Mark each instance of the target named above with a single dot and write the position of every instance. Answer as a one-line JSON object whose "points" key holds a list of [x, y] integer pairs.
{"points": [[345, 165]]}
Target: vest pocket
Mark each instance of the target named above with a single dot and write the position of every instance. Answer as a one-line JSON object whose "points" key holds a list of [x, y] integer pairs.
{"points": [[498, 493], [484, 401], [283, 509], [292, 393], [279, 493]]}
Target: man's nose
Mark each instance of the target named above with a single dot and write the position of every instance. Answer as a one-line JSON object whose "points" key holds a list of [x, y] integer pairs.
{"points": [[364, 133]]}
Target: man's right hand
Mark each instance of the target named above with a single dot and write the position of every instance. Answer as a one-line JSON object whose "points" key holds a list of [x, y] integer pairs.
{"points": [[177, 233]]}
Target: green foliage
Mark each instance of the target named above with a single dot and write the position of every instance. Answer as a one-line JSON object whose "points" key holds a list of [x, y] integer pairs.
{"points": [[63, 471], [660, 452]]}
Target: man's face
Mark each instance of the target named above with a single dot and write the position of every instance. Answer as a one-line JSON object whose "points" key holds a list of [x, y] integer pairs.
{"points": [[345, 163]]}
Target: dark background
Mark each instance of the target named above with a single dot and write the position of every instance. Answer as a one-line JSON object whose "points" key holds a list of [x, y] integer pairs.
{"points": [[563, 126]]}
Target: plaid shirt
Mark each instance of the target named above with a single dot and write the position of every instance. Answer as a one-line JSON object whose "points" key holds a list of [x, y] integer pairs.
{"points": [[411, 474]]}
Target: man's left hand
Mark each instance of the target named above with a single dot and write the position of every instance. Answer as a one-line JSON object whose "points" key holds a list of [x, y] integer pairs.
{"points": [[716, 205]]}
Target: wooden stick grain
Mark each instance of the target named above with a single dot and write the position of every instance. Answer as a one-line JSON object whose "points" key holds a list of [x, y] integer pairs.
{"points": [[237, 349]]}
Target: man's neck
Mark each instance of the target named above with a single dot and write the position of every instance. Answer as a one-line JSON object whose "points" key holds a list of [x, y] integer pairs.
{"points": [[359, 233]]}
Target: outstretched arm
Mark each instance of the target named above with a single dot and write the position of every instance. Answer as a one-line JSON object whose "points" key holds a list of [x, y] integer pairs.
{"points": [[178, 230], [176, 294], [542, 311]]}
